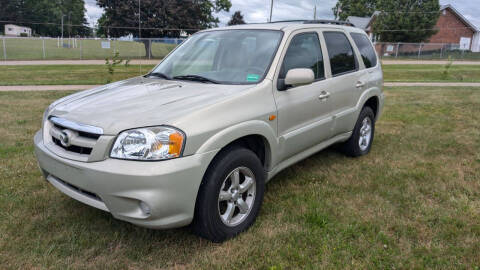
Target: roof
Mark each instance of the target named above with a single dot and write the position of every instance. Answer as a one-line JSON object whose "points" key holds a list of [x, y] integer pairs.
{"points": [[360, 22], [364, 22], [14, 25], [460, 16], [282, 26]]}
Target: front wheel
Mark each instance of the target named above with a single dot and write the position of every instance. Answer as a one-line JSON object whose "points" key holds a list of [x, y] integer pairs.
{"points": [[361, 140], [230, 195]]}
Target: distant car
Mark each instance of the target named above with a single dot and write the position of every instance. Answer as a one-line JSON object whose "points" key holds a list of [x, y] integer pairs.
{"points": [[196, 139]]}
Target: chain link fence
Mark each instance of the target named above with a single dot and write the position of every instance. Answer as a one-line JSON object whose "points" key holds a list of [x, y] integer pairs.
{"points": [[19, 48], [423, 51]]}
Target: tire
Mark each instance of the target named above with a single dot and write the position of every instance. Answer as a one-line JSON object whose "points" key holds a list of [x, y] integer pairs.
{"points": [[354, 147], [211, 220]]}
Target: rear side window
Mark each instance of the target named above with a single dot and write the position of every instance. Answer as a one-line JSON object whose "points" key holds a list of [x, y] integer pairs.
{"points": [[366, 50], [340, 52], [304, 52]]}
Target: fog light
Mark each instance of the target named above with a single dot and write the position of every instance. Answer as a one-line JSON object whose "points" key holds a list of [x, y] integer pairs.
{"points": [[145, 208]]}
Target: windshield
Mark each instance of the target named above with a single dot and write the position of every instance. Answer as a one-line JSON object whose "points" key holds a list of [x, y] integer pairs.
{"points": [[224, 56]]}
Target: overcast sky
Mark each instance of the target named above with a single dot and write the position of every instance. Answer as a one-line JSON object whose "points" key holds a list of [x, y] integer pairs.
{"points": [[258, 10]]}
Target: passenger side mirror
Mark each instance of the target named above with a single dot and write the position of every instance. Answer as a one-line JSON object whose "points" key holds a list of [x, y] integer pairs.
{"points": [[299, 76]]}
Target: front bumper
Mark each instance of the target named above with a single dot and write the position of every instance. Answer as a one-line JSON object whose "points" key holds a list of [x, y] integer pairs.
{"points": [[169, 188]]}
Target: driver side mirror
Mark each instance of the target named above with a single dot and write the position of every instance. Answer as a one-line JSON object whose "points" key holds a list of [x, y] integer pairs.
{"points": [[299, 76]]}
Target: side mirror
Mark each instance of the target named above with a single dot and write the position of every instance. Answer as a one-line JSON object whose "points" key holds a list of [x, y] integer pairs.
{"points": [[299, 76]]}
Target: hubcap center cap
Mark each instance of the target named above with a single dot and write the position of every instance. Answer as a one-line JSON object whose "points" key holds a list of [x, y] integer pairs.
{"points": [[235, 195]]}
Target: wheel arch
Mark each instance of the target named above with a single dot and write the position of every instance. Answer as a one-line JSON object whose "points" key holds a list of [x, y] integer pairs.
{"points": [[371, 98], [257, 136]]}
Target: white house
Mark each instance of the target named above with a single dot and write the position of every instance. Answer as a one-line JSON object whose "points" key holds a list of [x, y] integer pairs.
{"points": [[16, 30]]}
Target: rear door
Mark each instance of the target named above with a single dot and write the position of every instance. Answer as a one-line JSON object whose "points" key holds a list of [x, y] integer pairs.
{"points": [[348, 79]]}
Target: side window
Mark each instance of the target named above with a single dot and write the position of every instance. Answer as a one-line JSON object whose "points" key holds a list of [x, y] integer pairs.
{"points": [[366, 50], [340, 52], [304, 52]]}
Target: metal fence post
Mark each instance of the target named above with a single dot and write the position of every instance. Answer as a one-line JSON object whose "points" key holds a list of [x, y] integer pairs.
{"points": [[80, 41], [419, 50], [396, 53], [4, 50], [441, 51], [150, 50], [43, 47]]}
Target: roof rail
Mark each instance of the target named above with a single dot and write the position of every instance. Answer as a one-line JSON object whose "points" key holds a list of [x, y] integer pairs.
{"points": [[329, 22], [317, 22]]}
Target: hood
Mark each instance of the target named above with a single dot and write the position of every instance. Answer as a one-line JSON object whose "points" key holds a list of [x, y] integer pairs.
{"points": [[140, 102]]}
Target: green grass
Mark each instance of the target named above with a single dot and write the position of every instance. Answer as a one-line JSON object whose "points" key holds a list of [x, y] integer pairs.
{"points": [[97, 74], [32, 49], [431, 73], [67, 74], [412, 203], [454, 55]]}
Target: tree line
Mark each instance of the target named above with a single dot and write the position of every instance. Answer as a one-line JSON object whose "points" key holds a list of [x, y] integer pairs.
{"points": [[396, 20], [45, 16]]}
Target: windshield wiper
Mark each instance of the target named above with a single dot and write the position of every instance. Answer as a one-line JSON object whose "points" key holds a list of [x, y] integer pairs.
{"points": [[197, 78], [158, 74]]}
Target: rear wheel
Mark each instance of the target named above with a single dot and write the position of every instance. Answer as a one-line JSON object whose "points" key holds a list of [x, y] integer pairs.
{"points": [[230, 195], [361, 140]]}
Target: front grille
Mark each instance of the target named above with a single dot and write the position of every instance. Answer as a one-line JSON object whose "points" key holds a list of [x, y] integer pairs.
{"points": [[81, 133], [72, 136], [73, 148]]}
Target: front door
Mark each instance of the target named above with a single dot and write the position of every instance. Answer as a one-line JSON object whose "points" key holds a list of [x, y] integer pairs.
{"points": [[304, 117]]}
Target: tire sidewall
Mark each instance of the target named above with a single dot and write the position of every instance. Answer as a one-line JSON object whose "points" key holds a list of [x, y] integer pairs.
{"points": [[366, 112], [234, 158]]}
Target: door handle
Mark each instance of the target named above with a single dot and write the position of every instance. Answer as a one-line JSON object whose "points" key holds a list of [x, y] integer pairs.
{"points": [[360, 84], [324, 95]]}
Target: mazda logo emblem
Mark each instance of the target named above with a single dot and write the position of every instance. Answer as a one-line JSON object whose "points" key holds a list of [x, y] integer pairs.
{"points": [[64, 139]]}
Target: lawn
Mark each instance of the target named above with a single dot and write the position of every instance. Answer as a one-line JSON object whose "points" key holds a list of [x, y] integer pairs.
{"points": [[97, 74], [32, 49], [431, 73], [67, 74], [413, 202]]}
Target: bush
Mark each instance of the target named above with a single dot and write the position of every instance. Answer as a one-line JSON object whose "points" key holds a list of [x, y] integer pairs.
{"points": [[23, 34]]}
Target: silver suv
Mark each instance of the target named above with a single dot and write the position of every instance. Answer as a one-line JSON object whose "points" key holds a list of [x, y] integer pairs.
{"points": [[196, 139]]}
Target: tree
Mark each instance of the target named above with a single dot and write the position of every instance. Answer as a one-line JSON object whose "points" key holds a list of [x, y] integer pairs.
{"points": [[237, 18], [44, 16], [158, 17], [406, 20], [397, 20], [360, 8]]}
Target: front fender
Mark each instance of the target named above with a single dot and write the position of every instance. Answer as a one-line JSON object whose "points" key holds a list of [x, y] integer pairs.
{"points": [[232, 133]]}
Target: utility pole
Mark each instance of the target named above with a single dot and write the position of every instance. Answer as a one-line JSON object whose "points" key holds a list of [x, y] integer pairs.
{"points": [[271, 10], [62, 26], [140, 32], [139, 21], [315, 13]]}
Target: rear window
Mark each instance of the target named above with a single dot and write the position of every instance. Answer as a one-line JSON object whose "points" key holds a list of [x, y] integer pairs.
{"points": [[340, 52], [366, 50]]}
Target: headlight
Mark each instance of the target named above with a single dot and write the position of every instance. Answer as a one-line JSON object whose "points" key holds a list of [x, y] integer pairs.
{"points": [[152, 143]]}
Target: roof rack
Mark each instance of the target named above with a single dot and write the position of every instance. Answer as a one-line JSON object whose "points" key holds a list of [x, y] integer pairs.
{"points": [[317, 22]]}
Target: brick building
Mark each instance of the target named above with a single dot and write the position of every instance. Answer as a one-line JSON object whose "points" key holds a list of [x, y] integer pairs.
{"points": [[453, 28]]}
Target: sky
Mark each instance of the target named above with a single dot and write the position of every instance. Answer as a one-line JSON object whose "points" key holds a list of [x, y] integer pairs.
{"points": [[258, 10]]}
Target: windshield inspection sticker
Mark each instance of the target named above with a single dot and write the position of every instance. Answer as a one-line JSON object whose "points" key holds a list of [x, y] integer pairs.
{"points": [[253, 77]]}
